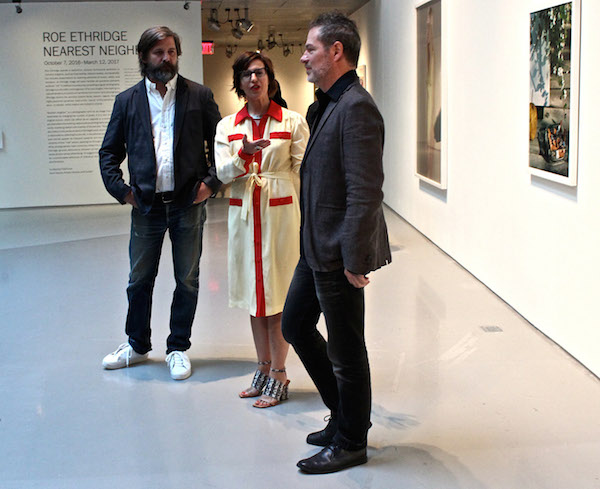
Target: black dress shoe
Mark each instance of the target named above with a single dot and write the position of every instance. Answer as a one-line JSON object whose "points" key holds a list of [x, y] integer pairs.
{"points": [[325, 436], [331, 459]]}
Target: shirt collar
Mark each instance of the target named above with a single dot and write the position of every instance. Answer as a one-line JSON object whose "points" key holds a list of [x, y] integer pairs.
{"points": [[336, 90], [171, 84], [274, 111]]}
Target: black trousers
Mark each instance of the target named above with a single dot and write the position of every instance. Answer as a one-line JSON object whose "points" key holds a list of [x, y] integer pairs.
{"points": [[339, 366], [185, 226]]}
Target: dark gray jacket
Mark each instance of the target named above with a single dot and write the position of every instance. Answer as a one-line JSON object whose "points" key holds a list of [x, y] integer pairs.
{"points": [[341, 197]]}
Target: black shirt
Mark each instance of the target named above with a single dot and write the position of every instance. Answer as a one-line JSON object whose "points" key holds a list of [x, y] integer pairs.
{"points": [[334, 93]]}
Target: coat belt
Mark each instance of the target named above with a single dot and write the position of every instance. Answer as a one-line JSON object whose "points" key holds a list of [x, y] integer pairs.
{"points": [[256, 179]]}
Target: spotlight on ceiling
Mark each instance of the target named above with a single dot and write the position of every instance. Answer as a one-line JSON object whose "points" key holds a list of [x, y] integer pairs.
{"points": [[18, 7], [286, 50], [186, 5], [261, 46], [229, 50], [246, 23], [236, 31], [213, 20], [271, 42]]}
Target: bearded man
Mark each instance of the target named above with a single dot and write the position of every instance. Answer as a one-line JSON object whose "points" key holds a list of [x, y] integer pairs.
{"points": [[160, 125]]}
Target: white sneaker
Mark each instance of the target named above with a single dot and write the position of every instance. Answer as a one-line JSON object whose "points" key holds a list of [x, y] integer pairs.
{"points": [[179, 365], [123, 356]]}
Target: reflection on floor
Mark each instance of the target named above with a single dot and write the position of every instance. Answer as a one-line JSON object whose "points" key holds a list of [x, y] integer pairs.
{"points": [[467, 394]]}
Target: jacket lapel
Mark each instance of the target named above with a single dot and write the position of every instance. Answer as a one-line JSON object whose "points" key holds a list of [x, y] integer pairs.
{"points": [[181, 100], [141, 101], [328, 110]]}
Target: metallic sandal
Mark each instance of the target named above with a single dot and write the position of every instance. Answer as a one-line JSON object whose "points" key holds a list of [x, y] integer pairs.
{"points": [[275, 389], [258, 382]]}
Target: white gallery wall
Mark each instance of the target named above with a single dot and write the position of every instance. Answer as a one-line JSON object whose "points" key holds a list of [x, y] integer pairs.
{"points": [[63, 63], [218, 75], [533, 242]]}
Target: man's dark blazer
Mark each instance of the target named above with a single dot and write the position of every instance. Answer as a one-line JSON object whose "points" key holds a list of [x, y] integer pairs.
{"points": [[341, 179], [129, 133]]}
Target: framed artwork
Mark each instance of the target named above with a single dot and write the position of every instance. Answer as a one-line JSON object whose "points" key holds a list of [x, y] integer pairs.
{"points": [[555, 33], [432, 114]]}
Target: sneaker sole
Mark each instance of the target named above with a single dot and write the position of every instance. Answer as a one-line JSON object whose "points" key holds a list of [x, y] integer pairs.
{"points": [[181, 376], [108, 366]]}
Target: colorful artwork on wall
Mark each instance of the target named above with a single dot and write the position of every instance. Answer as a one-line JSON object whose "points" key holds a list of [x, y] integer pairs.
{"points": [[554, 91]]}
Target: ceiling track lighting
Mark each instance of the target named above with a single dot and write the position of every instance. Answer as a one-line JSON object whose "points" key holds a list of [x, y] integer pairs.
{"points": [[186, 5], [213, 20], [229, 50], [236, 25], [246, 23], [239, 26], [271, 42], [18, 7]]}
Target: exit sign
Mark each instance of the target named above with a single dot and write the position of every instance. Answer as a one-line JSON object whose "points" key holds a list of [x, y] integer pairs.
{"points": [[208, 47]]}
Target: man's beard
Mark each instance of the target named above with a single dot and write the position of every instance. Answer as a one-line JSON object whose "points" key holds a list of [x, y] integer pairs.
{"points": [[163, 72]]}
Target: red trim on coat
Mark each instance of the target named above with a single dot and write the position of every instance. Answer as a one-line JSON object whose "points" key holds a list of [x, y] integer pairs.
{"points": [[257, 133], [280, 135], [280, 201], [245, 156], [274, 110], [235, 137], [236, 202], [241, 115]]}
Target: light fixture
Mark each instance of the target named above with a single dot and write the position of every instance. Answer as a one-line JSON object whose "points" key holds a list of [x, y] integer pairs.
{"points": [[186, 6], [246, 23], [286, 50], [271, 42], [18, 7], [261, 46], [229, 50], [236, 30], [213, 20]]}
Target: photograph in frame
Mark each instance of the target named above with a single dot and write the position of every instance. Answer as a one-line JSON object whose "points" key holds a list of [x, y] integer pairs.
{"points": [[553, 92], [430, 133]]}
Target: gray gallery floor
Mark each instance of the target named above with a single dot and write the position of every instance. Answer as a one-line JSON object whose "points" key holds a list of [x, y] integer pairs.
{"points": [[467, 394]]}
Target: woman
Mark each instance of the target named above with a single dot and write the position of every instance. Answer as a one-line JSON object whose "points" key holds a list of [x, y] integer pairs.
{"points": [[259, 150]]}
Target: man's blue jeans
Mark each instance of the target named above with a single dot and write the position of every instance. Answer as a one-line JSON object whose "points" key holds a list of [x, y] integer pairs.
{"points": [[185, 227], [339, 367]]}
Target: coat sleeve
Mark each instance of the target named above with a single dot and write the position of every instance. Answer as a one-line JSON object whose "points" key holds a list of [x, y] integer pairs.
{"points": [[362, 165], [212, 116], [300, 136], [112, 153], [229, 163]]}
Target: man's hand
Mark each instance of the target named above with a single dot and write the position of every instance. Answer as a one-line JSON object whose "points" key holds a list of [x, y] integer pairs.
{"points": [[358, 281], [130, 199], [204, 192]]}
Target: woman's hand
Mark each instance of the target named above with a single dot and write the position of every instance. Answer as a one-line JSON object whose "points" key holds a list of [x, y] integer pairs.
{"points": [[255, 146]]}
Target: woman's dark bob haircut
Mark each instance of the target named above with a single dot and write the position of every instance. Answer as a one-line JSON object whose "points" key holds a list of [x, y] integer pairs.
{"points": [[241, 64]]}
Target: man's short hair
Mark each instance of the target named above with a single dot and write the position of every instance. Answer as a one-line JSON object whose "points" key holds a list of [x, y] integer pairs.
{"points": [[335, 26], [150, 37]]}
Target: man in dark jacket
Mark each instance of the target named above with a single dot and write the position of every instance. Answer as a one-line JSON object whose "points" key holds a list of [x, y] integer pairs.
{"points": [[161, 125], [343, 238]]}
